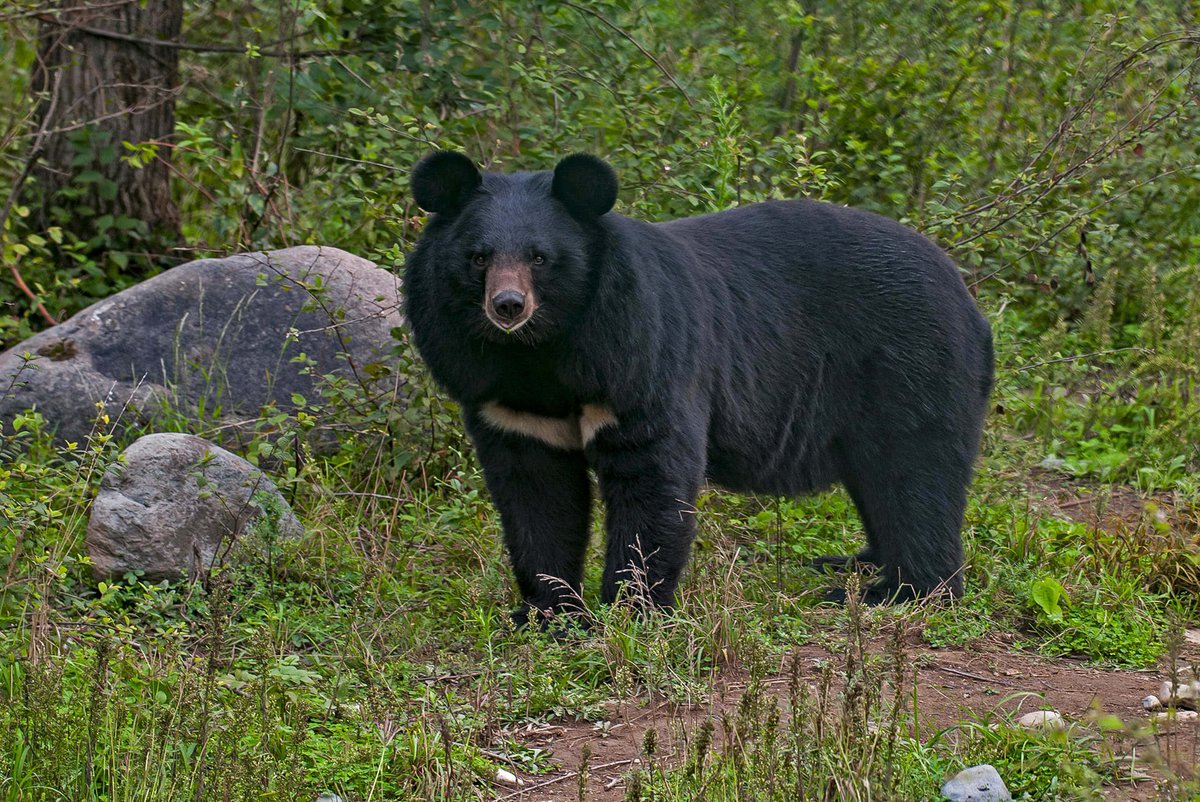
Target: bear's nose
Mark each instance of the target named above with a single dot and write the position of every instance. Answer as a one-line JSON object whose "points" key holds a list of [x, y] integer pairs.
{"points": [[509, 304]]}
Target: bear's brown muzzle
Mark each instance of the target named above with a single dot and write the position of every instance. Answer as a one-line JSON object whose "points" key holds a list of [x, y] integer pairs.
{"points": [[508, 298]]}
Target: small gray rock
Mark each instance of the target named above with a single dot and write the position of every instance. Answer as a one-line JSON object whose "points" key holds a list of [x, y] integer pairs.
{"points": [[976, 784], [1184, 693], [176, 506], [1052, 463], [218, 337], [1042, 720]]}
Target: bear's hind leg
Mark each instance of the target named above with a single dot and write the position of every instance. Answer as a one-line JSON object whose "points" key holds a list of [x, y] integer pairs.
{"points": [[868, 556], [911, 493]]}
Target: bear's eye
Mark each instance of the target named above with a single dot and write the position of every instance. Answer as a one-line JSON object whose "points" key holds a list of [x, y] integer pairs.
{"points": [[479, 260], [538, 259]]}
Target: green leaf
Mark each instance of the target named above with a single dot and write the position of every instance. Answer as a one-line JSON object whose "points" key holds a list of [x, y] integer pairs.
{"points": [[1047, 593]]}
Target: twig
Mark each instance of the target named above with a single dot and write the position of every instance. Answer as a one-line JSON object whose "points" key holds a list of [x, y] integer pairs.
{"points": [[1014, 187], [1074, 357], [566, 776], [364, 494], [16, 274], [138, 108], [448, 677], [35, 152], [1075, 502], [187, 179], [1104, 150], [1075, 218], [348, 159], [382, 313], [32, 13], [976, 677], [666, 73]]}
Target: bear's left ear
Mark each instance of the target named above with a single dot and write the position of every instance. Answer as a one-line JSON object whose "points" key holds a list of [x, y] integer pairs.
{"points": [[443, 181], [586, 185]]}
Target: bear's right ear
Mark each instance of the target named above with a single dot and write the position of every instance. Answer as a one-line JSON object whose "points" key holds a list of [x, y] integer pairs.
{"points": [[585, 184], [442, 181]]}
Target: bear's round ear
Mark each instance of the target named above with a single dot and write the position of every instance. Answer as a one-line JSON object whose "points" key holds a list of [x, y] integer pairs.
{"points": [[442, 181], [586, 185]]}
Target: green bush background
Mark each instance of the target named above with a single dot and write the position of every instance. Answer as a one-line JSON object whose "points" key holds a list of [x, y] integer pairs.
{"points": [[1050, 147]]}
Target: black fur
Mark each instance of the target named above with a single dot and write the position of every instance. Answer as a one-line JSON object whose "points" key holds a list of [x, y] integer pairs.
{"points": [[585, 185], [775, 348], [443, 181]]}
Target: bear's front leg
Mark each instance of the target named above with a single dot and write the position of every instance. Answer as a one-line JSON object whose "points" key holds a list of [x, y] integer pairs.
{"points": [[543, 495], [649, 491]]}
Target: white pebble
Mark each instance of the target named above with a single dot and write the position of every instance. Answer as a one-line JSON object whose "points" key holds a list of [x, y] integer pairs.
{"points": [[507, 777], [1180, 715], [1179, 691], [1151, 702], [1041, 719]]}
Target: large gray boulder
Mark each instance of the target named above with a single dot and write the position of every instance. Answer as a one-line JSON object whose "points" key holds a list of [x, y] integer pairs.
{"points": [[176, 506], [977, 784], [216, 337]]}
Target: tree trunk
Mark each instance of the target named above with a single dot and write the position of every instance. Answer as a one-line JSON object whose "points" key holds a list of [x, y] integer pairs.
{"points": [[103, 83]]}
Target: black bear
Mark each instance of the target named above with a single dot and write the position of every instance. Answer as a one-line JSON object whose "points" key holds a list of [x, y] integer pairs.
{"points": [[776, 348]]}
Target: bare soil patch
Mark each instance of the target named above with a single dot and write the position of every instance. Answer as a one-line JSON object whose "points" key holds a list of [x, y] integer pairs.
{"points": [[1112, 508], [984, 682]]}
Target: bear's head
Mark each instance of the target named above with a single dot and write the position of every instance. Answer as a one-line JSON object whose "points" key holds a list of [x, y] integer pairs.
{"points": [[515, 249]]}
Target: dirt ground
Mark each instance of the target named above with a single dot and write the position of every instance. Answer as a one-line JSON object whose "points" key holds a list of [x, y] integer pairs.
{"points": [[953, 685]]}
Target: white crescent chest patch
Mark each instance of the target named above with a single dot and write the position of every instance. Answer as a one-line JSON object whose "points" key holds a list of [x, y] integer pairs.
{"points": [[594, 418], [570, 433]]}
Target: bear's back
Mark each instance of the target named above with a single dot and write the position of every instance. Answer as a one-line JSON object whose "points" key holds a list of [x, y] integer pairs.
{"points": [[821, 315]]}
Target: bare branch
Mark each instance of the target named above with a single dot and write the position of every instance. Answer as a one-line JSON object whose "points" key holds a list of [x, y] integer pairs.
{"points": [[1077, 357], [1075, 218], [35, 152], [195, 47], [666, 73]]}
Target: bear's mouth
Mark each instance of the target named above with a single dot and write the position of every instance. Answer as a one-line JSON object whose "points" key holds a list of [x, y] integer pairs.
{"points": [[508, 298], [505, 324]]}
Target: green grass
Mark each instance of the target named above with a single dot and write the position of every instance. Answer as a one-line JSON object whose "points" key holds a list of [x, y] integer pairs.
{"points": [[374, 657]]}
